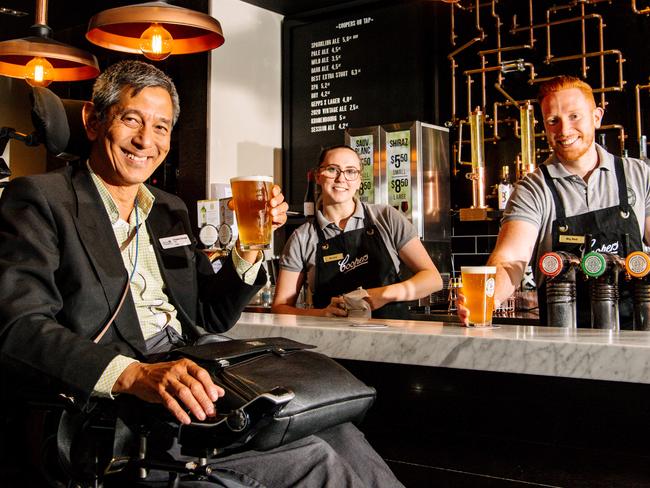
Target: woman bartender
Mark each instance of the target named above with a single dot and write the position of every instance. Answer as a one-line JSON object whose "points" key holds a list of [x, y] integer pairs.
{"points": [[349, 245]]}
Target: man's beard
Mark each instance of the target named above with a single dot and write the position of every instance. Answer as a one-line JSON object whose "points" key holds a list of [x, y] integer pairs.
{"points": [[575, 151]]}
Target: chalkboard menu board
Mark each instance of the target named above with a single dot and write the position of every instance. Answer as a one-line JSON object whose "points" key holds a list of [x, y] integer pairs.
{"points": [[356, 68]]}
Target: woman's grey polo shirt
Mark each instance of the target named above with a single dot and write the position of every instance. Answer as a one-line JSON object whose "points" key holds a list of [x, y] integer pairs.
{"points": [[299, 253]]}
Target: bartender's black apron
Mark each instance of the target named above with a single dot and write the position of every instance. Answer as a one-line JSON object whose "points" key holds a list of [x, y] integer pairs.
{"points": [[607, 227], [353, 259]]}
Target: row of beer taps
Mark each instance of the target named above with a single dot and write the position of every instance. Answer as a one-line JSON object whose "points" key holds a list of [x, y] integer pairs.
{"points": [[523, 126]]}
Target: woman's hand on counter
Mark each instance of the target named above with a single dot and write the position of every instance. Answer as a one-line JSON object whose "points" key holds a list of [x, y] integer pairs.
{"points": [[336, 308]]}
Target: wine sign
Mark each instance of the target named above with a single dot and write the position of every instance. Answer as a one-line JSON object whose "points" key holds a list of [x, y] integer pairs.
{"points": [[398, 171], [366, 143]]}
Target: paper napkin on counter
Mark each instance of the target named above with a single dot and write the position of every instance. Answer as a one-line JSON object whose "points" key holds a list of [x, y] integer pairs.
{"points": [[357, 306]]}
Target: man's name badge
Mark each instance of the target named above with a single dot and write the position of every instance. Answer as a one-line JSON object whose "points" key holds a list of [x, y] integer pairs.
{"points": [[573, 239], [175, 241], [333, 257]]}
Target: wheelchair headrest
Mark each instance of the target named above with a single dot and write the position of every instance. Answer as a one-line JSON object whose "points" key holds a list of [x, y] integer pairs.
{"points": [[59, 124]]}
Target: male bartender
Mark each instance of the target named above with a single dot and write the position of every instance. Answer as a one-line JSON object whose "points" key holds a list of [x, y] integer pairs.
{"points": [[98, 269], [580, 190]]}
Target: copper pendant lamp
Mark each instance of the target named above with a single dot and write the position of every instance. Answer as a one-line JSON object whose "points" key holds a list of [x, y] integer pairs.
{"points": [[40, 60], [155, 29]]}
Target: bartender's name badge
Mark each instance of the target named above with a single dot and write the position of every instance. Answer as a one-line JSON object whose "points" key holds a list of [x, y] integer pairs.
{"points": [[333, 257], [175, 241], [573, 239]]}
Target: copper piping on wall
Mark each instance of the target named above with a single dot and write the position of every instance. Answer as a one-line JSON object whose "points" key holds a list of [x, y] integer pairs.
{"points": [[519, 65], [495, 121], [583, 43], [620, 60], [495, 108], [503, 50], [581, 18], [498, 25], [621, 134], [452, 23], [584, 55], [505, 66], [483, 92], [477, 15], [500, 89], [469, 94], [515, 27], [530, 22], [637, 111], [450, 56]]}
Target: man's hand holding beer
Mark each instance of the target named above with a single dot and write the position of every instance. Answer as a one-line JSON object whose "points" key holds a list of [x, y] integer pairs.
{"points": [[278, 212]]}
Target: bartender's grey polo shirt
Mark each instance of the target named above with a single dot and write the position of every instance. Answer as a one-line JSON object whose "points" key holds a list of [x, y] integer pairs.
{"points": [[532, 201], [299, 253]]}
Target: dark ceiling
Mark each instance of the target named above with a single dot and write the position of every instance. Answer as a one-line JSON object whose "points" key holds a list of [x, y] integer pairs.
{"points": [[62, 14], [298, 7]]}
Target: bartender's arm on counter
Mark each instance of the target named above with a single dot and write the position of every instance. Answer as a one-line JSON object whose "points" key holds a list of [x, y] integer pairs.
{"points": [[349, 245], [511, 254]]}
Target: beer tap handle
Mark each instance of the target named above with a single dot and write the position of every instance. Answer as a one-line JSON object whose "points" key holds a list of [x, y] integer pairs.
{"points": [[637, 264]]}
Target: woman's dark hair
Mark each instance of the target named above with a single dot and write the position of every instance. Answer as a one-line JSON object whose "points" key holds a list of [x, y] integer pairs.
{"points": [[323, 153]]}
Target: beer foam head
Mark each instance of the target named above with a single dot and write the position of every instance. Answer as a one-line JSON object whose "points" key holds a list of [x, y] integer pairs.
{"points": [[478, 269], [268, 179]]}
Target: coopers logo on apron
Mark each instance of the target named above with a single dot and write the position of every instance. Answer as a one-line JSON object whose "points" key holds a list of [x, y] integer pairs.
{"points": [[610, 248], [344, 266]]}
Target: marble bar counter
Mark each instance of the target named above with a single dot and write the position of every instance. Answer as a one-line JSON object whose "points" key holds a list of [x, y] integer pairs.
{"points": [[583, 354]]}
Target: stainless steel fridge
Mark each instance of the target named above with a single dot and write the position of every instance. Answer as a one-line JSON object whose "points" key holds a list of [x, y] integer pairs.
{"points": [[406, 165]]}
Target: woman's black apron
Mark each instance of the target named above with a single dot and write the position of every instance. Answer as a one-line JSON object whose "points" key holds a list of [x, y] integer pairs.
{"points": [[614, 229], [353, 259]]}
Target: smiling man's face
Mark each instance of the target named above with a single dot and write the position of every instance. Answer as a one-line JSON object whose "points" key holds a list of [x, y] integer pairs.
{"points": [[134, 139], [570, 120]]}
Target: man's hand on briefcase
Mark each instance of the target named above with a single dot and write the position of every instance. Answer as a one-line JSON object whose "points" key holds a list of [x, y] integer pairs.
{"points": [[170, 383]]}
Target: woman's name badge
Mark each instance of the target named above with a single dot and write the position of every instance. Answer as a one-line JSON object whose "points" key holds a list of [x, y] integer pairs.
{"points": [[333, 257]]}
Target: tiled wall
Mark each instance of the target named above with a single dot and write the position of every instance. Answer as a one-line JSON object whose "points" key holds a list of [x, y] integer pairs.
{"points": [[472, 242]]}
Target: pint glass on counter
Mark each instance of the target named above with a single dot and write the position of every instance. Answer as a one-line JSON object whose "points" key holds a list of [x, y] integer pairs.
{"points": [[251, 197], [478, 289]]}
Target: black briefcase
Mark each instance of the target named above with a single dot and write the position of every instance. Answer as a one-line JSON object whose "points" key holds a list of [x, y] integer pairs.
{"points": [[325, 393]]}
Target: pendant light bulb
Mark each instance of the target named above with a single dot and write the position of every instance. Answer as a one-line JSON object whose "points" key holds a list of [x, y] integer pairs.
{"points": [[156, 42], [39, 72]]}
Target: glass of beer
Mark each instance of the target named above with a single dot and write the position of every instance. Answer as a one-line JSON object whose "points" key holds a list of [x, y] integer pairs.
{"points": [[252, 196], [478, 289]]}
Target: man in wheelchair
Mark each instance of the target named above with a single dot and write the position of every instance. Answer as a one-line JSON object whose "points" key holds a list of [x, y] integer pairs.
{"points": [[99, 270]]}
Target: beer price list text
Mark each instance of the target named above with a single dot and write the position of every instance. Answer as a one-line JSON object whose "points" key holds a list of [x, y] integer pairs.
{"points": [[329, 107]]}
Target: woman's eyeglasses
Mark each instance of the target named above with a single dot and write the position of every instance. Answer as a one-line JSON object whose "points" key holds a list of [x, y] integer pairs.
{"points": [[332, 172]]}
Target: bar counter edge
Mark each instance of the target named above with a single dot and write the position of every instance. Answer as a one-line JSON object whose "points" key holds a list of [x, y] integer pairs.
{"points": [[622, 356]]}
